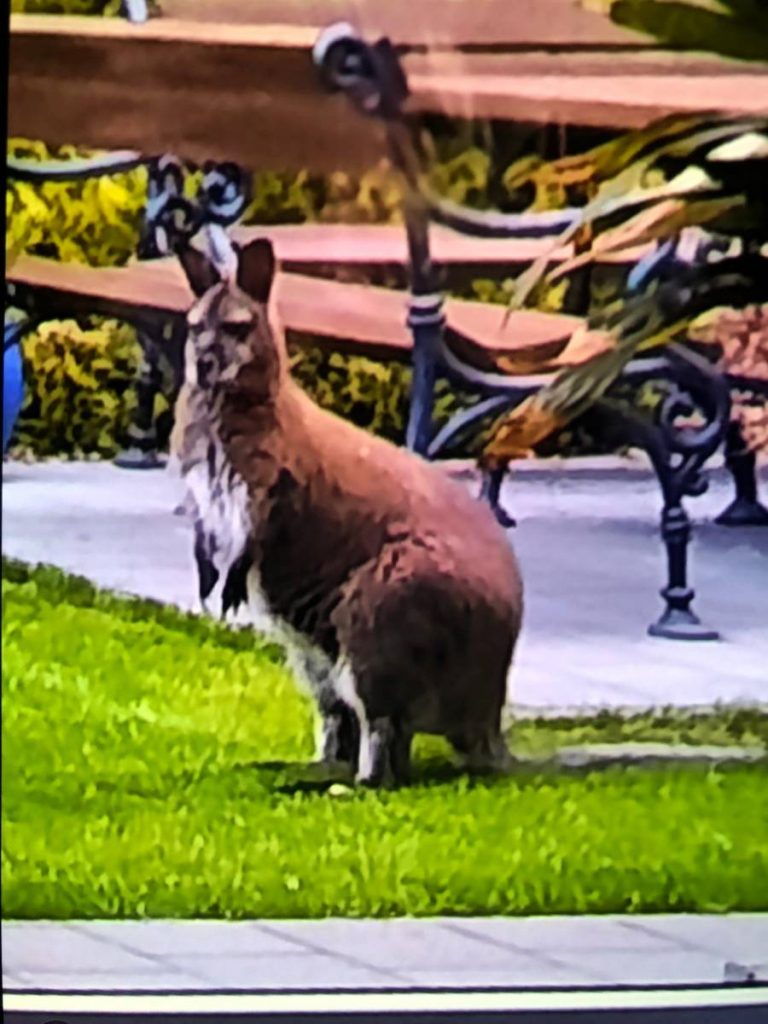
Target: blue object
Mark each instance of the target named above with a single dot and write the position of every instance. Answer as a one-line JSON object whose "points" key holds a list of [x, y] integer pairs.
{"points": [[13, 379], [650, 264]]}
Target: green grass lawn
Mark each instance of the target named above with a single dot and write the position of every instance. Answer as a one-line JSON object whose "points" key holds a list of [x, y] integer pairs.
{"points": [[152, 766]]}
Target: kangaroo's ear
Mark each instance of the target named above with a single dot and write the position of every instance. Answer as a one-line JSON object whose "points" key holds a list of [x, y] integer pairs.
{"points": [[200, 272], [256, 269]]}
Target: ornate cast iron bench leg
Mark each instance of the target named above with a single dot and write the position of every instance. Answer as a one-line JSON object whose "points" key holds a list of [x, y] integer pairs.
{"points": [[141, 450], [678, 455], [490, 491], [678, 622], [745, 509], [373, 81], [426, 321]]}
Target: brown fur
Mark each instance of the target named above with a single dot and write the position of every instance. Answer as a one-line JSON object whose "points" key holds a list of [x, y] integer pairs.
{"points": [[397, 575]]}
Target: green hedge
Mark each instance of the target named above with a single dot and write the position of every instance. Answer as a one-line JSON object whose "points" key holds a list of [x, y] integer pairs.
{"points": [[79, 388], [104, 8]]}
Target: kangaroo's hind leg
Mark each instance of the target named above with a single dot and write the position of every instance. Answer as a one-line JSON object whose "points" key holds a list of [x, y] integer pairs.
{"points": [[385, 754], [337, 738], [482, 750], [207, 573], [339, 734]]}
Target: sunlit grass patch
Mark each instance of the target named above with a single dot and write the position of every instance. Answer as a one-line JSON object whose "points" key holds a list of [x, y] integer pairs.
{"points": [[154, 764]]}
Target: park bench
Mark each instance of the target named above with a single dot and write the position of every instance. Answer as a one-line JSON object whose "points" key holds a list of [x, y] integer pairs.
{"points": [[213, 66]]}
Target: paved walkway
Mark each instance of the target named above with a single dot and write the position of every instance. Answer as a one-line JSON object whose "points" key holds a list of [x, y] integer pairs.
{"points": [[334, 954], [587, 540]]}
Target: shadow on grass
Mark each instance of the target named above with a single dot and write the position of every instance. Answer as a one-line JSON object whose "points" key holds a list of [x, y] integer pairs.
{"points": [[289, 778]]}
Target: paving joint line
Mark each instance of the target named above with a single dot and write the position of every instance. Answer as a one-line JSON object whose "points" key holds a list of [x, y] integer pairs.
{"points": [[681, 943], [541, 957], [345, 958], [156, 959]]}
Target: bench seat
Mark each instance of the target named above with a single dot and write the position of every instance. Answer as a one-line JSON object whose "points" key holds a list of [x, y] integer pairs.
{"points": [[351, 317]]}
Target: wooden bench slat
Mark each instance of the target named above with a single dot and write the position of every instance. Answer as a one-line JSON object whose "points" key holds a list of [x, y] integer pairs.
{"points": [[519, 23], [645, 63], [385, 244], [176, 30], [629, 101], [371, 321]]}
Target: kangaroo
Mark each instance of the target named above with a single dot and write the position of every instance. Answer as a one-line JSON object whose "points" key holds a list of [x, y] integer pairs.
{"points": [[396, 591]]}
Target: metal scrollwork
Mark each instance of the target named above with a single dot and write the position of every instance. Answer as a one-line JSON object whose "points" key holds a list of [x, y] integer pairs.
{"points": [[369, 75], [372, 79], [135, 11], [224, 193], [679, 448], [172, 218], [164, 197]]}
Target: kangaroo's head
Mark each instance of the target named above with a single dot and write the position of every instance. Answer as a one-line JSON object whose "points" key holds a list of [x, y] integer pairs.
{"points": [[228, 326]]}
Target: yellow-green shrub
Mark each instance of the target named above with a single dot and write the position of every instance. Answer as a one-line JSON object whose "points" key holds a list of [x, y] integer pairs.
{"points": [[96, 221], [372, 394], [61, 6], [79, 388], [107, 8]]}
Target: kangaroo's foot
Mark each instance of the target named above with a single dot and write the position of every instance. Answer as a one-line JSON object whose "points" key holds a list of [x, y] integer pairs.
{"points": [[339, 738], [484, 753], [207, 573], [385, 754]]}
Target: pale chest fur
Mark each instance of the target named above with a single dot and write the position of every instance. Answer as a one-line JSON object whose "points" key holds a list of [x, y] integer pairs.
{"points": [[225, 521]]}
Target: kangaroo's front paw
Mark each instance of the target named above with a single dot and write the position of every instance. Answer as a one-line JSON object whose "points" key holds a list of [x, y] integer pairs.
{"points": [[339, 739], [381, 762]]}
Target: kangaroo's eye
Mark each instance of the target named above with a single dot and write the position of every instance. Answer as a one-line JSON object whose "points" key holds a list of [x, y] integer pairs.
{"points": [[239, 330]]}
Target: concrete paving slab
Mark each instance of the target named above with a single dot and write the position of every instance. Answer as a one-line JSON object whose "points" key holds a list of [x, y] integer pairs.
{"points": [[90, 981], [563, 935], [677, 967], [456, 952], [182, 938], [286, 972], [402, 945], [519, 972], [735, 937], [57, 947], [588, 545]]}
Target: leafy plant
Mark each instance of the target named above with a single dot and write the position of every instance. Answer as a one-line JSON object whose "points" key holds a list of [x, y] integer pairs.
{"points": [[713, 170], [79, 395], [732, 28], [60, 6], [372, 394], [742, 336], [104, 8], [374, 198], [95, 221]]}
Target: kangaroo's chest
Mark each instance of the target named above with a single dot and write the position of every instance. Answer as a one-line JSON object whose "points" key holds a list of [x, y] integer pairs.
{"points": [[222, 522], [224, 530], [221, 501]]}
